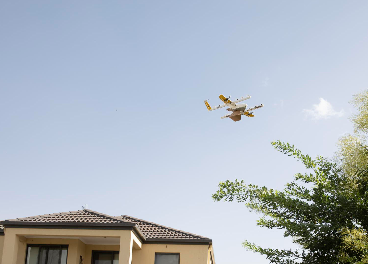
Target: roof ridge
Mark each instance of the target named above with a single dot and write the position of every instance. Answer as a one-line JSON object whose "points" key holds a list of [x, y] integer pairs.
{"points": [[177, 230], [39, 216], [67, 213]]}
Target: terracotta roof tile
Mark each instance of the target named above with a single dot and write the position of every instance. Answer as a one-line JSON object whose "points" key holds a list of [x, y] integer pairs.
{"points": [[148, 229], [81, 216], [152, 230]]}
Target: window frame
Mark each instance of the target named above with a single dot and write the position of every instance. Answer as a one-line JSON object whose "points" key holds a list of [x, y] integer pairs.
{"points": [[103, 251], [47, 245], [166, 253]]}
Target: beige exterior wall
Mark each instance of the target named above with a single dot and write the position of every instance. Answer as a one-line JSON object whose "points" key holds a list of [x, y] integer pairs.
{"points": [[15, 242], [22, 247], [81, 251], [13, 246], [189, 254], [1, 247], [75, 248]]}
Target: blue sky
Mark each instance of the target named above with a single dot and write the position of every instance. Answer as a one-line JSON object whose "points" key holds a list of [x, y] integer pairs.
{"points": [[101, 103]]}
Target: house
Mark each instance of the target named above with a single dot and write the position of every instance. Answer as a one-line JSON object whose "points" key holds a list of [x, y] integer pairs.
{"points": [[89, 237]]}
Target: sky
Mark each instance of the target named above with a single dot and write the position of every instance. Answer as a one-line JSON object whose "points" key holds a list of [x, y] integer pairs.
{"points": [[101, 103]]}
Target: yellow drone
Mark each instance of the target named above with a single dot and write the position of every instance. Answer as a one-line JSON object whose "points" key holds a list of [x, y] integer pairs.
{"points": [[237, 109]]}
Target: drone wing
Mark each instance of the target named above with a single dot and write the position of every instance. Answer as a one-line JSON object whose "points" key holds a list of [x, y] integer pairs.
{"points": [[249, 114], [225, 100], [215, 108]]}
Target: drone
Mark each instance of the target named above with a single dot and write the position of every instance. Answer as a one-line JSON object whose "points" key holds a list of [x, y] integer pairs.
{"points": [[237, 109]]}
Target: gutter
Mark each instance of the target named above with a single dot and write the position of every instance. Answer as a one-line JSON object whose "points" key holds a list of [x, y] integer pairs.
{"points": [[201, 241]]}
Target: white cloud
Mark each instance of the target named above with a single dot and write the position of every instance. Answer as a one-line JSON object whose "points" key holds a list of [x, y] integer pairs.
{"points": [[323, 110]]}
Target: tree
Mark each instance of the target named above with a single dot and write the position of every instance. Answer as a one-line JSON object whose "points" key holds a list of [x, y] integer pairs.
{"points": [[325, 211], [353, 159]]}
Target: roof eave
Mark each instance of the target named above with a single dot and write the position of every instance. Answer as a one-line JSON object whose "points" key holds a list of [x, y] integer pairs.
{"points": [[202, 241], [110, 226]]}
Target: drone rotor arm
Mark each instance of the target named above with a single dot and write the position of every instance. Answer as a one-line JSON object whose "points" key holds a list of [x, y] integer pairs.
{"points": [[242, 99], [219, 106], [223, 117], [254, 108]]}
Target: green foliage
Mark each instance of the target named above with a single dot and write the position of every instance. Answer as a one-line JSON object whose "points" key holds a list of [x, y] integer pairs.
{"points": [[352, 156], [355, 240], [324, 211], [352, 149], [360, 120], [312, 216]]}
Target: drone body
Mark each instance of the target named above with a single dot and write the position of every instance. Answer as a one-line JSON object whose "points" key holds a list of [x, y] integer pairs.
{"points": [[237, 109]]}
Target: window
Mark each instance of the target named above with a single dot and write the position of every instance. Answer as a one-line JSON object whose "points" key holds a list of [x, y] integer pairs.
{"points": [[42, 254], [167, 258], [105, 257]]}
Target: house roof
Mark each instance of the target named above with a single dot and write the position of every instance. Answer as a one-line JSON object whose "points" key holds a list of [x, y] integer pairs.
{"points": [[156, 231], [81, 216], [148, 232]]}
